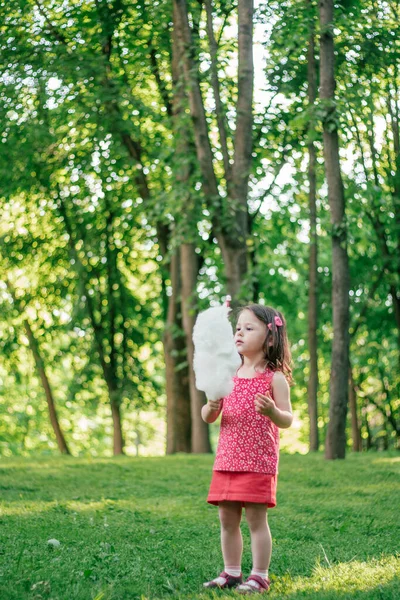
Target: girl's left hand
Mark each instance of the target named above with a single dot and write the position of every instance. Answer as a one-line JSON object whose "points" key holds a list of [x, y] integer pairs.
{"points": [[264, 404]]}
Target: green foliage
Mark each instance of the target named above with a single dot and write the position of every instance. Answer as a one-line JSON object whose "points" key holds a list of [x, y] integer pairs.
{"points": [[92, 178]]}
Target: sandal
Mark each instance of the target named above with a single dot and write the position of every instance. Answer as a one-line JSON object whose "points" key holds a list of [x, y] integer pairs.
{"points": [[224, 581], [261, 587]]}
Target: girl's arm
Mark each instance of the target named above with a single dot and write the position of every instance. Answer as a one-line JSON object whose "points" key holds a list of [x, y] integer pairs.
{"points": [[210, 411], [282, 416], [280, 410]]}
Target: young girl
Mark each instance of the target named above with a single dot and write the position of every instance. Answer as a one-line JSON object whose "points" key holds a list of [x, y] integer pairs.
{"points": [[246, 462]]}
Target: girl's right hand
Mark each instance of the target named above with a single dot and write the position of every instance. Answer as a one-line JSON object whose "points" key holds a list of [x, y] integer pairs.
{"points": [[215, 405]]}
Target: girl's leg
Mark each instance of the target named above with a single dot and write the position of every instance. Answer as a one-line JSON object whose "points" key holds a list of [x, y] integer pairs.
{"points": [[230, 515], [261, 541]]}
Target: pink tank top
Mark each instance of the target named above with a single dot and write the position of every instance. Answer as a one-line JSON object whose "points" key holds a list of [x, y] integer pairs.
{"points": [[248, 441]]}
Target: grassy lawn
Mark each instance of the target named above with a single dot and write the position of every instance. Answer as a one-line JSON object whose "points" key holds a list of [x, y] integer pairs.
{"points": [[134, 528]]}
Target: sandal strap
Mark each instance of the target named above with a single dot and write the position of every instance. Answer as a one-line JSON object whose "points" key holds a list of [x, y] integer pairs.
{"points": [[263, 583], [229, 580]]}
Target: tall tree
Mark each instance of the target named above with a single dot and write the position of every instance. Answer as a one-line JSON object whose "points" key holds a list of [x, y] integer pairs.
{"points": [[186, 431], [177, 379], [355, 423], [186, 234], [230, 214], [335, 446], [313, 257], [41, 371]]}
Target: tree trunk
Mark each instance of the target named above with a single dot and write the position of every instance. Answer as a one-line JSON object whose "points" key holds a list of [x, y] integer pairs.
{"points": [[230, 223], [336, 435], [394, 118], [177, 378], [389, 411], [108, 367], [355, 425], [34, 346], [197, 111], [200, 431], [118, 439], [186, 255], [369, 442], [243, 142], [112, 278], [313, 257], [234, 246], [219, 111], [385, 437]]}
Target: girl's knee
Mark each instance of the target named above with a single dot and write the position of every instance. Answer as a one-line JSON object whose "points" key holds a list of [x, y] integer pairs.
{"points": [[256, 516], [230, 515]]}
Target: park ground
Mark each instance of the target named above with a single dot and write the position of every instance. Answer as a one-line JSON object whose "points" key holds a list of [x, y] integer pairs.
{"points": [[139, 529]]}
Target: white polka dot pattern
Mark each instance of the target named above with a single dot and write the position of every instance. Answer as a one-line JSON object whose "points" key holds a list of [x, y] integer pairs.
{"points": [[248, 441]]}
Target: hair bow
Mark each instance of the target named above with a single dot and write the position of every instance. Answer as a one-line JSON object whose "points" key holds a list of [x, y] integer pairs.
{"points": [[278, 322]]}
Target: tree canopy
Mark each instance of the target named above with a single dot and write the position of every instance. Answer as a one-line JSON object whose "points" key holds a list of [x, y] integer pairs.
{"points": [[154, 158]]}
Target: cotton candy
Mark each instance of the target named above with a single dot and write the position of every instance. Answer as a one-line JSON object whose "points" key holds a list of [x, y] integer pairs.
{"points": [[216, 358]]}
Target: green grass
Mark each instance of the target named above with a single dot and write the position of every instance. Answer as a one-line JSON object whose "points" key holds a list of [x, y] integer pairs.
{"points": [[140, 528]]}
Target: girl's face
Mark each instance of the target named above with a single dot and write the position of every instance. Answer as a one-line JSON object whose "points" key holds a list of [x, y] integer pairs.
{"points": [[250, 334]]}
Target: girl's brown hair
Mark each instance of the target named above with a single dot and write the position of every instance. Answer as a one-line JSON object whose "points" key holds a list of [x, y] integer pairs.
{"points": [[276, 347]]}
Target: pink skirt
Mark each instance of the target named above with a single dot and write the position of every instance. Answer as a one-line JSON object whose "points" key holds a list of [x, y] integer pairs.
{"points": [[243, 487]]}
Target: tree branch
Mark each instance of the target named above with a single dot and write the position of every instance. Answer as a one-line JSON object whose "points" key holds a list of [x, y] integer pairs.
{"points": [[266, 193], [220, 113], [365, 306], [162, 88], [243, 142], [60, 37]]}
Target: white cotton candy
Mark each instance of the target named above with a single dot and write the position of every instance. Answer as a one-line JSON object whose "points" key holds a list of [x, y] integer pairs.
{"points": [[216, 358]]}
